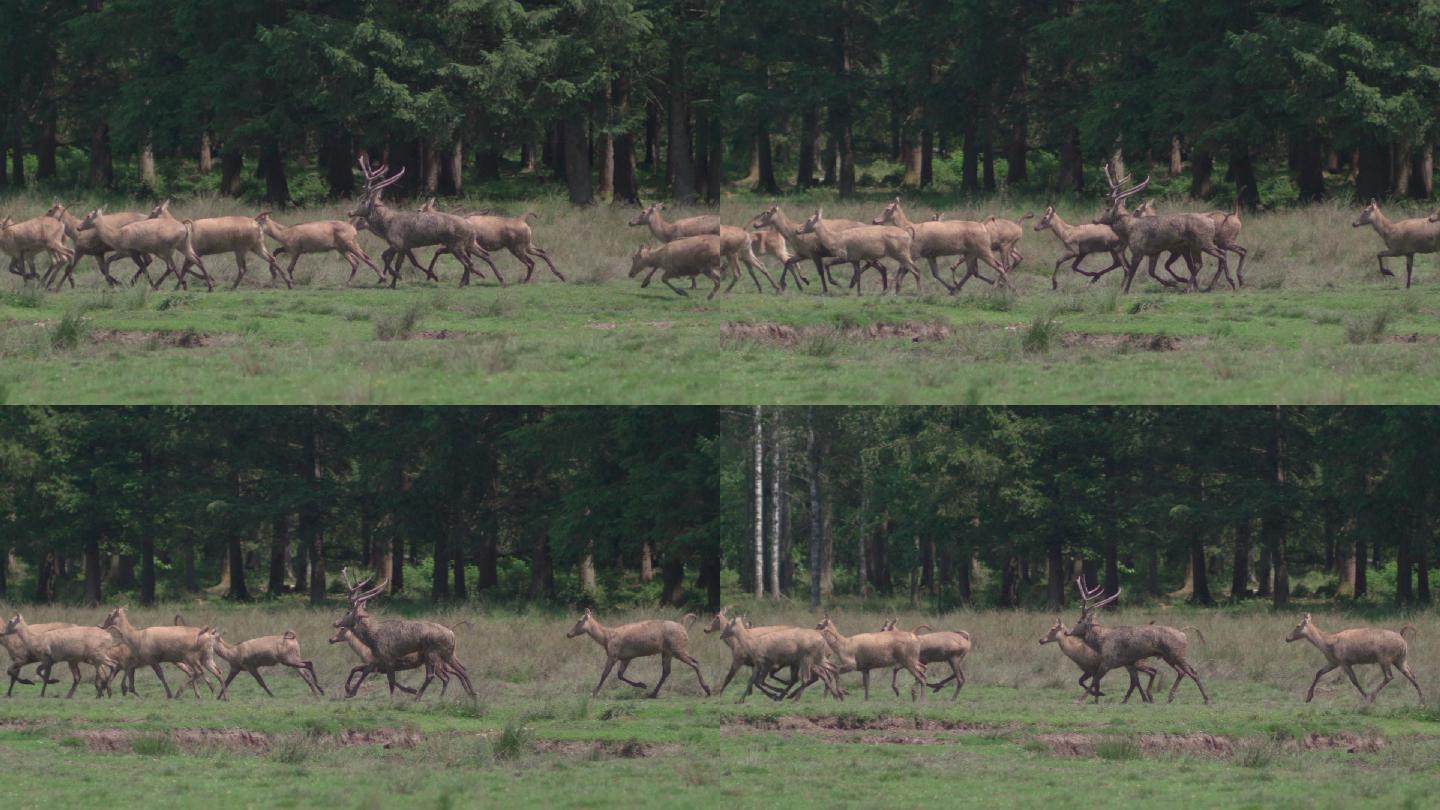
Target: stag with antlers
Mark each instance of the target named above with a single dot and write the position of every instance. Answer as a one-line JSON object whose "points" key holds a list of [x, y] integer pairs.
{"points": [[1185, 235], [394, 640], [1126, 646], [403, 231]]}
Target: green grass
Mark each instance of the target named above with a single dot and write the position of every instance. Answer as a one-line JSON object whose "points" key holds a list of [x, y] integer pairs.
{"points": [[1315, 324], [540, 740]]}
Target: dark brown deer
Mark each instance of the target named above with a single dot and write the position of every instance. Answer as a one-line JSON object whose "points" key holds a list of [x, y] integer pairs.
{"points": [[403, 231], [1187, 235], [392, 640], [1126, 646]]}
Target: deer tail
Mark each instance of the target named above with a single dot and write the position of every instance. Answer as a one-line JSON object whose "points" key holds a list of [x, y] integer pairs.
{"points": [[179, 620], [457, 624], [528, 215], [1411, 628], [688, 619], [1028, 215], [1197, 632], [916, 628], [288, 635]]}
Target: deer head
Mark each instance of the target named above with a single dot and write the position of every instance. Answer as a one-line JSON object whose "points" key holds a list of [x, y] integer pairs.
{"points": [[582, 625], [640, 260], [1047, 219], [13, 625], [813, 221], [115, 616], [888, 214], [359, 593], [1368, 214], [1299, 631], [1090, 601], [1118, 195], [765, 218], [1056, 631], [643, 218]]}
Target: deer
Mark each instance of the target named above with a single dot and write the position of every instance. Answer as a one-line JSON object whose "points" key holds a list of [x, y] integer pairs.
{"points": [[1080, 241], [740, 658], [361, 671], [642, 639], [944, 647], [22, 241], [88, 243], [651, 217], [1147, 237], [1405, 237], [804, 247], [1227, 235], [393, 640], [22, 654], [770, 242], [74, 646], [403, 231], [1087, 658], [1006, 234], [495, 233], [1126, 646], [938, 238], [867, 244], [160, 237], [866, 651], [801, 650], [1348, 648], [687, 256], [265, 651], [317, 237], [153, 646], [736, 247], [240, 236]]}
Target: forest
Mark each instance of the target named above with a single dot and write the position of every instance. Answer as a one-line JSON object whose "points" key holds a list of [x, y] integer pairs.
{"points": [[1273, 101], [943, 507]]}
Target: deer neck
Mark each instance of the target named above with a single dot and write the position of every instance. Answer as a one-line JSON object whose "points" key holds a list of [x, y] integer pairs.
{"points": [[899, 219], [661, 229], [594, 629], [1061, 228], [826, 237], [275, 230], [1382, 225], [122, 624], [225, 649], [1320, 640], [107, 230]]}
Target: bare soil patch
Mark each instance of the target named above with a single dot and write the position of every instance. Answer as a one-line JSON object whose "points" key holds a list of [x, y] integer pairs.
{"points": [[1134, 342], [245, 740], [1413, 337], [610, 748], [786, 335], [1084, 745], [845, 723], [171, 339]]}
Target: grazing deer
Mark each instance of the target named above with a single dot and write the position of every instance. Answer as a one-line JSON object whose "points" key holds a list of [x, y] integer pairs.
{"points": [[153, 646], [866, 651], [687, 256], [23, 241], [801, 650], [868, 244], [1367, 645], [805, 246], [1081, 241], [970, 241], [403, 231], [161, 238], [393, 640], [944, 647], [88, 243], [1087, 658], [1187, 235], [495, 233], [1405, 237], [1127, 646], [317, 237], [627, 642], [73, 645], [22, 654], [266, 651]]}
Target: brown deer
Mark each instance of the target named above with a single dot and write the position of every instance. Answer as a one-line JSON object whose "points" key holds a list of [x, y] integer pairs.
{"points": [[73, 645], [1187, 235], [239, 236], [1348, 648], [1006, 234], [496, 233], [317, 237], [1081, 241], [866, 651], [1126, 646], [23, 241], [1227, 234], [687, 256], [403, 231], [627, 642], [740, 658], [153, 646], [265, 651], [22, 654], [736, 247], [1405, 237], [970, 241], [651, 217], [1087, 658], [161, 238], [867, 245], [804, 246], [801, 650], [944, 647], [393, 640], [88, 243], [360, 672]]}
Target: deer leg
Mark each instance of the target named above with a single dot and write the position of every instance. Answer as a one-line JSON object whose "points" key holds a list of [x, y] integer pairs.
{"points": [[1380, 257], [935, 272], [255, 673], [1325, 670], [955, 666], [620, 675], [917, 669], [160, 673], [1064, 257], [1410, 676], [1240, 267], [75, 679], [1389, 675], [1409, 268], [894, 676], [664, 673], [290, 270], [716, 276], [241, 268], [666, 280], [865, 679]]}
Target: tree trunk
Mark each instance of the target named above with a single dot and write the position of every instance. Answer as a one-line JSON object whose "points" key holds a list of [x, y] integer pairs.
{"points": [[844, 134], [279, 546], [758, 477], [777, 476], [672, 581], [1009, 587], [987, 145], [277, 185], [1242, 172], [627, 188], [714, 160], [588, 583], [1404, 593], [312, 533], [487, 163], [206, 162], [46, 147], [647, 562], [440, 563], [1310, 169], [1401, 163], [809, 147], [1345, 568], [1262, 570], [1422, 175], [812, 459], [679, 164], [1072, 166], [1240, 570], [542, 569], [1176, 164], [1202, 170], [606, 154], [235, 551], [92, 595], [1200, 574], [963, 580], [456, 186], [927, 158], [651, 157], [102, 170], [970, 165], [397, 563], [577, 159], [766, 182], [710, 570], [338, 157], [1055, 575], [827, 545], [1152, 572], [232, 163], [1272, 519], [1373, 178], [527, 157], [1358, 561]]}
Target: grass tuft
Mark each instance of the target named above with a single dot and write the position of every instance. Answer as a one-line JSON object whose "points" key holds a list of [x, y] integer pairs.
{"points": [[399, 325], [155, 745], [1368, 330], [1256, 752], [1042, 333], [512, 742], [1117, 748], [70, 331]]}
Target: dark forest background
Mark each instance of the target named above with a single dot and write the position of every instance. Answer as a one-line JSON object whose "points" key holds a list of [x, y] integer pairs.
{"points": [[940, 507], [1276, 101]]}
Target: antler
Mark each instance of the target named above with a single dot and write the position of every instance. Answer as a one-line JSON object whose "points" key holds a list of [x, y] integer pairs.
{"points": [[1088, 595]]}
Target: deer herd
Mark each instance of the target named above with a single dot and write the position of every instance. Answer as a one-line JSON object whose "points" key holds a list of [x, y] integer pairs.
{"points": [[687, 248]]}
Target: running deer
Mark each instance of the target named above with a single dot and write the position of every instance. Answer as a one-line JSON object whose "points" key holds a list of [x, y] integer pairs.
{"points": [[495, 233], [1080, 241], [239, 236], [1126, 646], [161, 238], [801, 650], [740, 658], [22, 654], [317, 237], [265, 651], [23, 241], [642, 639], [651, 217], [1404, 237], [153, 646], [736, 247], [403, 231], [1348, 648], [1006, 234], [392, 641], [72, 645], [804, 246], [867, 245], [1187, 235], [1087, 658], [942, 647], [687, 256], [866, 651], [361, 671], [970, 241], [88, 243]]}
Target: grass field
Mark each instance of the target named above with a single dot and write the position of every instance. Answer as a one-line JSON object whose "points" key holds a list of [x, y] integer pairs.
{"points": [[1015, 737], [1315, 324]]}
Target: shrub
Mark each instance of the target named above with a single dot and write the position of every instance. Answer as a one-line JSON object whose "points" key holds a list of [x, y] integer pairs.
{"points": [[512, 741]]}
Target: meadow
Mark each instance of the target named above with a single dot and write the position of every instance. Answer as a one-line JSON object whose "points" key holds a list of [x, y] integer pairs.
{"points": [[1015, 736], [1316, 323]]}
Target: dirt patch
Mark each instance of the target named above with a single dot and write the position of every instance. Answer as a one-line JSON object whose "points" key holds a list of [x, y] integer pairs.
{"points": [[187, 339], [1084, 745], [244, 740], [609, 748], [438, 334], [1133, 342], [602, 326], [1413, 337], [845, 723], [786, 335]]}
